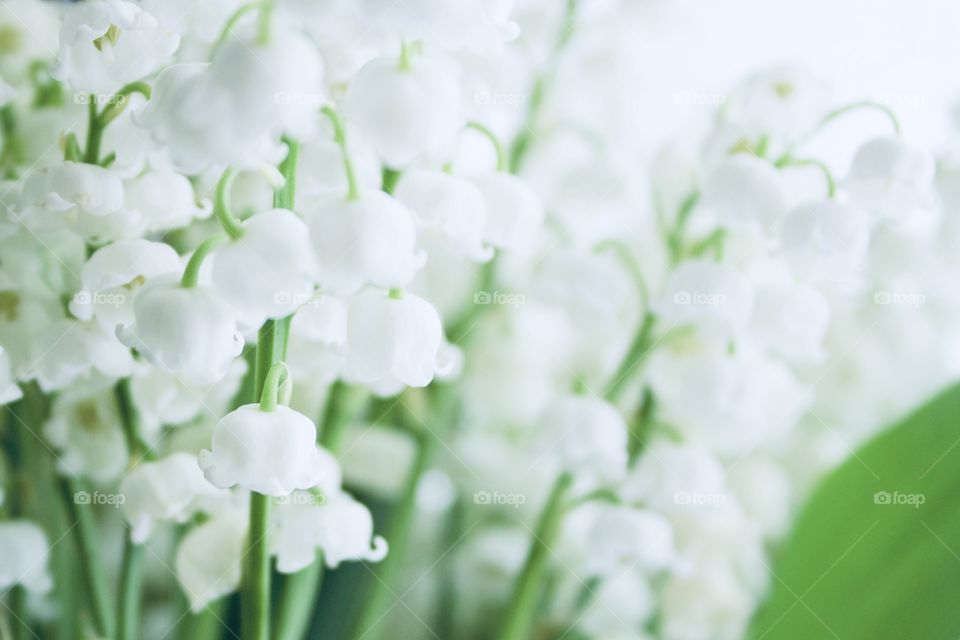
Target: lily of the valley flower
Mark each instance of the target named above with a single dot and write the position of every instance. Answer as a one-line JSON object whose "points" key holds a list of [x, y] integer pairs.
{"points": [[187, 331], [392, 341], [24, 556], [170, 489], [340, 527], [590, 437], [271, 452], [269, 270]]}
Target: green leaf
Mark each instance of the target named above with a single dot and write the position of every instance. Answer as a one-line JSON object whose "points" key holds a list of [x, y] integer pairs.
{"points": [[875, 554]]}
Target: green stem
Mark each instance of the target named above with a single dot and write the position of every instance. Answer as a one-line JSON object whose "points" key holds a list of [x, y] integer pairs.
{"points": [[276, 377], [232, 21], [676, 236], [785, 162], [388, 180], [340, 137], [376, 604], [492, 137], [91, 569], [524, 600], [640, 428], [131, 571], [836, 113], [97, 122], [636, 353], [191, 274], [129, 421], [272, 340], [300, 589], [521, 144], [221, 204], [283, 197], [263, 27]]}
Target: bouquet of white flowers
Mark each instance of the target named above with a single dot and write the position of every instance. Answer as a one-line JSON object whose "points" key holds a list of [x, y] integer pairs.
{"points": [[286, 285]]}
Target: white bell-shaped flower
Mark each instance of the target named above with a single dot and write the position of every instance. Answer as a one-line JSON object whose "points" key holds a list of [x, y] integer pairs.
{"points": [[210, 557], [9, 391], [727, 402], [84, 429], [164, 199], [321, 174], [515, 212], [672, 477], [162, 398], [825, 241], [113, 274], [745, 190], [589, 437], [392, 341], [625, 600], [170, 489], [24, 556], [891, 179], [453, 205], [318, 335], [105, 44], [713, 297], [186, 331], [339, 526], [232, 111], [370, 240], [622, 537], [87, 197], [67, 350], [425, 113], [269, 271], [270, 452], [790, 320]]}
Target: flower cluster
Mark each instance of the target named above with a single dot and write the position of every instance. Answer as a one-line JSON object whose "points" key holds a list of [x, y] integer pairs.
{"points": [[258, 258]]}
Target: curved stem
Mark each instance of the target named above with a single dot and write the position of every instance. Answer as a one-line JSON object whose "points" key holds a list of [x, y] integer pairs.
{"points": [[635, 355], [191, 274], [232, 21], [263, 26], [523, 600], [276, 377], [625, 256], [675, 238], [521, 144], [97, 122], [492, 137], [221, 204], [833, 115], [817, 164], [340, 136], [283, 197], [119, 101]]}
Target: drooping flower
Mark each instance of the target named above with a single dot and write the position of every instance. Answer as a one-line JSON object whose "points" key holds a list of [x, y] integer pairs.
{"points": [[339, 527], [745, 190], [515, 212], [169, 489], [210, 557], [713, 297], [891, 179], [24, 556], [269, 271], [589, 437], [370, 240], [425, 107], [105, 44], [391, 341], [186, 331], [270, 452]]}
